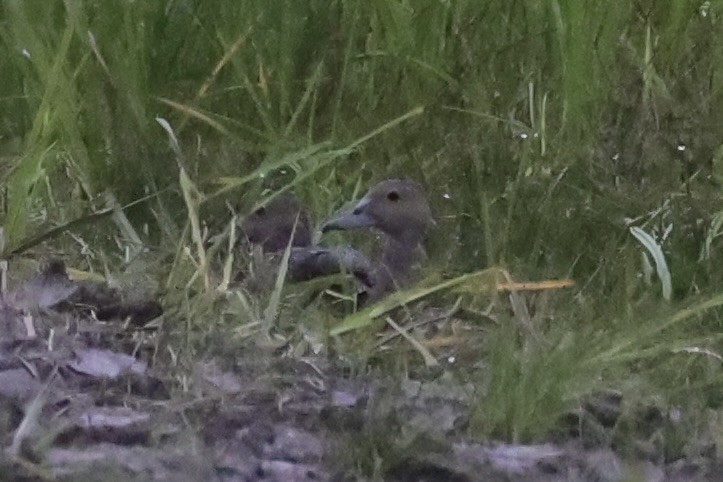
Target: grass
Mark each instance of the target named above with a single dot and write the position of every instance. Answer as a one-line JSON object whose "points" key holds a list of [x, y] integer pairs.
{"points": [[543, 132]]}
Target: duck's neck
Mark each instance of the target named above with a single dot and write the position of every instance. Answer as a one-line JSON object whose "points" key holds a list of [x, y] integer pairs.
{"points": [[399, 255]]}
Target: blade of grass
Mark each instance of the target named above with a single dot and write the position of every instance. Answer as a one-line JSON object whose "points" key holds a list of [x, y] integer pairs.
{"points": [[429, 359], [312, 153], [272, 309], [193, 199], [484, 279], [629, 347], [661, 266]]}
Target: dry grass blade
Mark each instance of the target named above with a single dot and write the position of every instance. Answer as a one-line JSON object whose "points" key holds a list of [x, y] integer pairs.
{"points": [[484, 279], [29, 425], [193, 199], [551, 284], [228, 264], [76, 223], [272, 309], [427, 317], [190, 196], [190, 112], [429, 359], [195, 113]]}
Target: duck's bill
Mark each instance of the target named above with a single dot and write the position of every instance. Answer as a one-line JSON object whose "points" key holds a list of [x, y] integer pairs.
{"points": [[348, 220], [352, 219]]}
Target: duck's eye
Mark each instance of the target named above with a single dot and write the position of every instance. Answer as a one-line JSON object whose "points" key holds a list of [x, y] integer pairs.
{"points": [[260, 211], [393, 196]]}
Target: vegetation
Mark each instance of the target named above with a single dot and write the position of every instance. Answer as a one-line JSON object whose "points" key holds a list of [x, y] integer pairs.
{"points": [[542, 130]]}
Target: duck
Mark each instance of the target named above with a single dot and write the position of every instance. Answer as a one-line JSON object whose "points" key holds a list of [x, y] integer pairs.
{"points": [[271, 225], [399, 210], [271, 228]]}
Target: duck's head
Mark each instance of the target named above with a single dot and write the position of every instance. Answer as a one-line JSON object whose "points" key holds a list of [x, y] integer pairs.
{"points": [[272, 224], [396, 207]]}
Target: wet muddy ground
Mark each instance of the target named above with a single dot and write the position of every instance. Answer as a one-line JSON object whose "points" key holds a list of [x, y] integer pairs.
{"points": [[87, 396]]}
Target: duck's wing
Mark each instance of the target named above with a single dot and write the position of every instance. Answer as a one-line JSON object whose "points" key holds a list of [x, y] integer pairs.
{"points": [[314, 262]]}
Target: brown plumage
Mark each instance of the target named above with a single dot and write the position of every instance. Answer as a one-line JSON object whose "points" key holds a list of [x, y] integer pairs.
{"points": [[271, 225], [398, 208], [316, 261]]}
